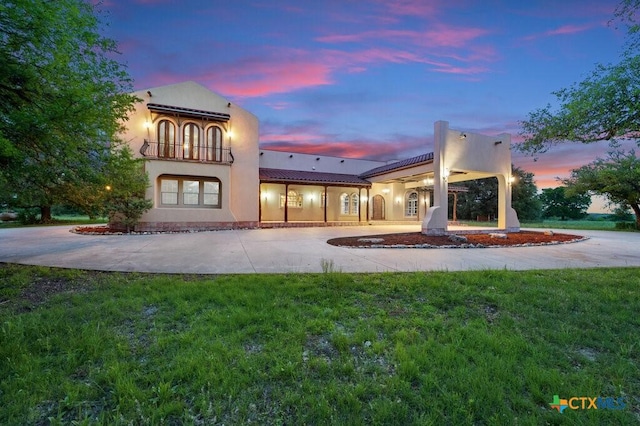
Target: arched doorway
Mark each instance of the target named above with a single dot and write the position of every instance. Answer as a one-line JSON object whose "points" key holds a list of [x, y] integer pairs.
{"points": [[378, 207]]}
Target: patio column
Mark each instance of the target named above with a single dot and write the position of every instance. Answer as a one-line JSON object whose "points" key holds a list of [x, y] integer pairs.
{"points": [[435, 221]]}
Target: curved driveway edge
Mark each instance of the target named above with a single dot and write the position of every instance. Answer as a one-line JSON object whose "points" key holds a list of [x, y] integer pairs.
{"points": [[295, 250]]}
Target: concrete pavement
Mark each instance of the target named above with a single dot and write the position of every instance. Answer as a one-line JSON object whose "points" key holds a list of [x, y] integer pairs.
{"points": [[295, 250]]}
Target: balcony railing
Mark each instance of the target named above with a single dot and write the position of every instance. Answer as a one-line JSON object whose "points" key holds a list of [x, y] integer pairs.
{"points": [[204, 154]]}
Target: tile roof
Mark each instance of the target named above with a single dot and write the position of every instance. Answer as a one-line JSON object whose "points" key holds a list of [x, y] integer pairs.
{"points": [[320, 178], [399, 165], [189, 112]]}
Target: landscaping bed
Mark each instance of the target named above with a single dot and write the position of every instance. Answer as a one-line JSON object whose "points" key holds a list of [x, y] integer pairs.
{"points": [[468, 240]]}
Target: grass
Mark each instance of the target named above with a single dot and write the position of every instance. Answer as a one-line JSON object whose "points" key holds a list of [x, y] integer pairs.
{"points": [[591, 225], [59, 220], [483, 347]]}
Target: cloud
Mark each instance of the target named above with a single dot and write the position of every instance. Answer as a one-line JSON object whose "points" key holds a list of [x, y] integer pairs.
{"points": [[436, 36], [311, 138], [560, 31]]}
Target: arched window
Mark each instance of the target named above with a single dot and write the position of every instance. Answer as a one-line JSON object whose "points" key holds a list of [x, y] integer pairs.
{"points": [[344, 203], [190, 142], [349, 204], [354, 208], [213, 144], [411, 204], [166, 139]]}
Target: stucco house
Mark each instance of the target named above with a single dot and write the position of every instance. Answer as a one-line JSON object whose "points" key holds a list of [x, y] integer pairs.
{"points": [[207, 171]]}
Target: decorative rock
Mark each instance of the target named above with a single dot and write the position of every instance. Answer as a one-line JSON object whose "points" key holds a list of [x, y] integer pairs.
{"points": [[371, 240], [458, 238], [498, 235], [549, 232]]}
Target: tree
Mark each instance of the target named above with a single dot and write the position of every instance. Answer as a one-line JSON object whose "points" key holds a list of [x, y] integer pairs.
{"points": [[524, 196], [557, 203], [63, 101], [125, 188], [481, 199], [617, 178], [605, 106]]}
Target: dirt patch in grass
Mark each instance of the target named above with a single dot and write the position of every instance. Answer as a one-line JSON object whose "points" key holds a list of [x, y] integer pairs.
{"points": [[471, 240]]}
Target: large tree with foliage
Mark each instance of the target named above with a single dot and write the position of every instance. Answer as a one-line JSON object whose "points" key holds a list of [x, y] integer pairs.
{"points": [[63, 100], [524, 195], [481, 199], [560, 203], [616, 177], [604, 106]]}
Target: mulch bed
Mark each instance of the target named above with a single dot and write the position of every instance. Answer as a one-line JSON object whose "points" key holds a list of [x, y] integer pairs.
{"points": [[419, 240]]}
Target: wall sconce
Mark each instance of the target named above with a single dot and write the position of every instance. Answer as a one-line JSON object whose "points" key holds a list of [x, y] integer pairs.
{"points": [[398, 200], [386, 190], [290, 155], [147, 125], [317, 158], [463, 135], [311, 197], [149, 93], [363, 199], [229, 134], [512, 180], [445, 174], [497, 142]]}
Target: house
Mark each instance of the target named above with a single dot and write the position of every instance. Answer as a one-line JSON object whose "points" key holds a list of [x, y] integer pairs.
{"points": [[207, 171]]}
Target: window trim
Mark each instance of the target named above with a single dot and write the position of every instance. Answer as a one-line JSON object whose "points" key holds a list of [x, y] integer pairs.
{"points": [[411, 209], [181, 193]]}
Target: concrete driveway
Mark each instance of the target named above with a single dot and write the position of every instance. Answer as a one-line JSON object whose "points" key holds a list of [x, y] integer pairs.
{"points": [[295, 250]]}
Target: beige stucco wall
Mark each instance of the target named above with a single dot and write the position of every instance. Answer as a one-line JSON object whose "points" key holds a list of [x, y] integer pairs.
{"points": [[318, 163], [312, 209], [460, 156], [239, 181]]}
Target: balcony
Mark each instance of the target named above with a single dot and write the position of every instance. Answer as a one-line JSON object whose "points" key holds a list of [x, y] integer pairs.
{"points": [[177, 152]]}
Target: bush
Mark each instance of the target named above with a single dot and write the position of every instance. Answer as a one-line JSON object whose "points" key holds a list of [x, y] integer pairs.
{"points": [[29, 216], [626, 225]]}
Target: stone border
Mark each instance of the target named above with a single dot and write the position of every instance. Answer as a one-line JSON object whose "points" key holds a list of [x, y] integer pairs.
{"points": [[463, 246]]}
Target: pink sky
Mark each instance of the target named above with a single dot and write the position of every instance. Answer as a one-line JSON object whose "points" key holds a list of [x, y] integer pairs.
{"points": [[369, 78]]}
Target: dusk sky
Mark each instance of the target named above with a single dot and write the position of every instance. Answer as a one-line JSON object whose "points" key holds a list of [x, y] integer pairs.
{"points": [[368, 78]]}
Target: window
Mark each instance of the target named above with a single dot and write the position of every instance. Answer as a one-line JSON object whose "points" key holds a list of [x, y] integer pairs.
{"points": [[169, 191], [411, 204], [294, 200], [349, 204], [354, 209], [211, 194], [190, 142], [189, 192], [344, 203], [213, 144], [166, 139]]}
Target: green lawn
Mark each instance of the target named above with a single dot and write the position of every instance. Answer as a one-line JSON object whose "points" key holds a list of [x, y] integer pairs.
{"points": [[487, 347], [604, 225]]}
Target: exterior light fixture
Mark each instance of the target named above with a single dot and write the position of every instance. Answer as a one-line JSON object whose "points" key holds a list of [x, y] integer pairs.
{"points": [[386, 190], [147, 125], [512, 179], [497, 142], [463, 135], [445, 174]]}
